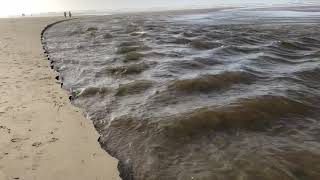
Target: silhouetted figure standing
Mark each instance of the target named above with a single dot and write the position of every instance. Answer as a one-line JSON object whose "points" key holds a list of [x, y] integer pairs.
{"points": [[70, 15], [65, 14]]}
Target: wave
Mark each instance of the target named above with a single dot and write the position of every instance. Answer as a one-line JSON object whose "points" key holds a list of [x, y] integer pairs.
{"points": [[91, 91], [310, 76], [133, 87], [245, 41], [206, 83], [129, 69], [231, 50], [204, 45], [293, 46], [253, 114], [311, 41]]}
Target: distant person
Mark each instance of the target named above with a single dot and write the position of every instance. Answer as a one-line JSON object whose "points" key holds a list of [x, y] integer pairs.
{"points": [[65, 14], [70, 15]]}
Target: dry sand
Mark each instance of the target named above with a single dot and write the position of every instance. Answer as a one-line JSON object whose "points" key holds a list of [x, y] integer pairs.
{"points": [[42, 136]]}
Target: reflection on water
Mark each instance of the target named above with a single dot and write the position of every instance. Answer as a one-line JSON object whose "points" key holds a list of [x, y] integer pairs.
{"points": [[230, 94]]}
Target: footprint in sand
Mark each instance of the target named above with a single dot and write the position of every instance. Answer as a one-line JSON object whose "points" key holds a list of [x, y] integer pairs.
{"points": [[52, 140], [37, 144], [3, 155], [6, 129], [16, 140]]}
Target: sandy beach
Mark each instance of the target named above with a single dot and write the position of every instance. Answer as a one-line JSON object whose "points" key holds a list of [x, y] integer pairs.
{"points": [[43, 136]]}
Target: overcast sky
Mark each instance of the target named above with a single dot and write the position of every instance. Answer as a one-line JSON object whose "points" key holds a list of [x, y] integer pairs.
{"points": [[10, 7]]}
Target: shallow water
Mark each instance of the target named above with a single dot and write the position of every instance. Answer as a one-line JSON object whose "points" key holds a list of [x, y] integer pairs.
{"points": [[231, 94]]}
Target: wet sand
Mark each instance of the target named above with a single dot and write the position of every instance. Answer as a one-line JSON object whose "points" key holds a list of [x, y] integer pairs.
{"points": [[42, 135]]}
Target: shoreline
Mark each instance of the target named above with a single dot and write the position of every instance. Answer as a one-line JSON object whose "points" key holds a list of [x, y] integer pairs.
{"points": [[124, 171], [43, 135]]}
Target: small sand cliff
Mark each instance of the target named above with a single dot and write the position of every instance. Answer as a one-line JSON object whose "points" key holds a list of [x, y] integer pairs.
{"points": [[42, 136]]}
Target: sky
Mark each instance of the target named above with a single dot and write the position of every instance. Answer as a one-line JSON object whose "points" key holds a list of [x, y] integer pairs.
{"points": [[17, 7]]}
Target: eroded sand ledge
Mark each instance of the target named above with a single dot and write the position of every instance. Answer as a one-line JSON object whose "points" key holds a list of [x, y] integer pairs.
{"points": [[42, 135]]}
